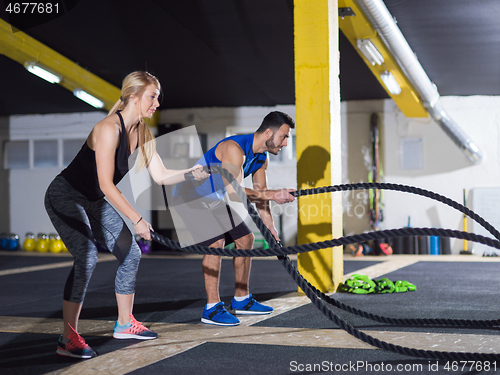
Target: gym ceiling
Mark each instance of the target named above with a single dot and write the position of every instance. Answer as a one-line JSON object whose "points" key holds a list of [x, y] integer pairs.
{"points": [[232, 53]]}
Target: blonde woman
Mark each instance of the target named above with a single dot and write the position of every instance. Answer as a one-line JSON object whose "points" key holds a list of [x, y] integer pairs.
{"points": [[80, 214]]}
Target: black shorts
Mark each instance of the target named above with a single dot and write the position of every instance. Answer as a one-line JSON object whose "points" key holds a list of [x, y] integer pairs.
{"points": [[208, 221]]}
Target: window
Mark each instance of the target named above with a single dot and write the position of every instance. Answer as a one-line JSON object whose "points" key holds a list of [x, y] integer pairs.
{"points": [[17, 154], [41, 153], [45, 154]]}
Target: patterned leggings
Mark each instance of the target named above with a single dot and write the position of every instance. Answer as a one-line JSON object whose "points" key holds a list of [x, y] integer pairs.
{"points": [[80, 222]]}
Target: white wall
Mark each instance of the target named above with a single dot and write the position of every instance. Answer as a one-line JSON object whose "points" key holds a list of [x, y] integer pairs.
{"points": [[214, 121], [446, 170], [356, 160], [28, 186]]}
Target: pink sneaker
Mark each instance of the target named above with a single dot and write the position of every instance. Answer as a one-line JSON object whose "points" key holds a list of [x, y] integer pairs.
{"points": [[133, 330], [75, 346]]}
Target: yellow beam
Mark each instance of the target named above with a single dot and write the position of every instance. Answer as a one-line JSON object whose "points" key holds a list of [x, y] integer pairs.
{"points": [[22, 48], [358, 27], [318, 137]]}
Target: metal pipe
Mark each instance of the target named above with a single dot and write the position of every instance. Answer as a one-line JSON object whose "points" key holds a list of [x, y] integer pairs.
{"points": [[389, 32]]}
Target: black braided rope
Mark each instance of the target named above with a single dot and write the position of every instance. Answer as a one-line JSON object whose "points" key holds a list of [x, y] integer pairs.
{"points": [[319, 298], [406, 189], [297, 249], [420, 353]]}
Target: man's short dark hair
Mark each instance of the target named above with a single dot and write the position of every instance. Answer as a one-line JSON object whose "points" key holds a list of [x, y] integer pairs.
{"points": [[274, 121]]}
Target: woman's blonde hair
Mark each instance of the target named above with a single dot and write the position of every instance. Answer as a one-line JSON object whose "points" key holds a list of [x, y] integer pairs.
{"points": [[135, 84]]}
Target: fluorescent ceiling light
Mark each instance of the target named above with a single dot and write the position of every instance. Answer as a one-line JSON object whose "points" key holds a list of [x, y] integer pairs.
{"points": [[369, 51], [390, 83], [87, 98], [42, 72]]}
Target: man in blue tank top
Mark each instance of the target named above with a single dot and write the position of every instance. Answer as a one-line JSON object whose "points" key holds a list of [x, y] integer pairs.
{"points": [[212, 222]]}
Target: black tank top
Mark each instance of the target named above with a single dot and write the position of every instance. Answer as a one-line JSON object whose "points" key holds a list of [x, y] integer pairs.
{"points": [[81, 173]]}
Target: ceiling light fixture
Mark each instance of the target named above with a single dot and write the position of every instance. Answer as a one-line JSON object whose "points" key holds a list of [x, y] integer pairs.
{"points": [[87, 98], [390, 83], [42, 72], [369, 51]]}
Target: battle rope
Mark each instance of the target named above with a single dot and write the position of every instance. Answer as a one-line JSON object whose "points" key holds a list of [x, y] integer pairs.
{"points": [[407, 189], [280, 250], [319, 298]]}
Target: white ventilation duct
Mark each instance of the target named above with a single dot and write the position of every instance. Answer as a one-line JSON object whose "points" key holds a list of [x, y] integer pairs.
{"points": [[386, 27]]}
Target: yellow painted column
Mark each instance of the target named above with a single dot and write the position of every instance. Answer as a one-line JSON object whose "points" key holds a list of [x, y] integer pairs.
{"points": [[317, 99]]}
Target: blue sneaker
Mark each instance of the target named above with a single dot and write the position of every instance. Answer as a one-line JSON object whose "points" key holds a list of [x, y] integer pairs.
{"points": [[250, 306], [218, 315]]}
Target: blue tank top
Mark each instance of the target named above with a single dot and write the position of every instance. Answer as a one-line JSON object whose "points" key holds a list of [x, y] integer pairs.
{"points": [[81, 173], [213, 188]]}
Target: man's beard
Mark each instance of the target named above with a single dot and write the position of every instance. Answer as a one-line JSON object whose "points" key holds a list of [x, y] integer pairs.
{"points": [[271, 146]]}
